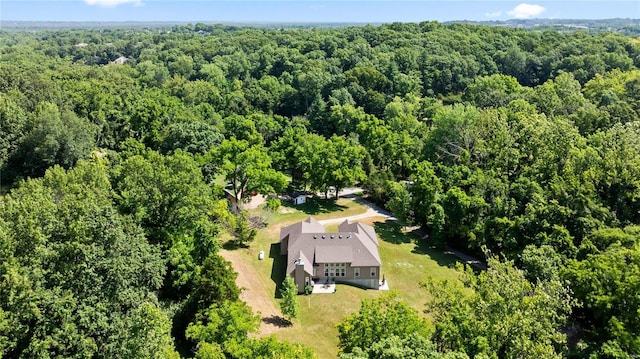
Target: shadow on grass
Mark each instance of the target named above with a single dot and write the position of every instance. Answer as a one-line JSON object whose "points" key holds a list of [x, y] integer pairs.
{"points": [[315, 206], [278, 268], [232, 245], [436, 252], [277, 320], [391, 232]]}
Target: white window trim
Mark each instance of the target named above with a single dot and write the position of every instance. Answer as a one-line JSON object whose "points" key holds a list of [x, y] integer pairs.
{"points": [[356, 272]]}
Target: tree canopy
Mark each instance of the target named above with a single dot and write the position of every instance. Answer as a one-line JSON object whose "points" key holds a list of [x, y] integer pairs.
{"points": [[522, 143]]}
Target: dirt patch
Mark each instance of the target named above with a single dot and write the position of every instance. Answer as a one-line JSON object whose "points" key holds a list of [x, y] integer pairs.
{"points": [[253, 292], [285, 210], [255, 202]]}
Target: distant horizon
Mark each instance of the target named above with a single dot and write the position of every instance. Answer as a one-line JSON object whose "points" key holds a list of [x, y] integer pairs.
{"points": [[312, 11], [213, 22]]}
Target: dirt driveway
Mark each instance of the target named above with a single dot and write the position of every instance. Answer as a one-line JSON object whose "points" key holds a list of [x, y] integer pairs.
{"points": [[253, 292]]}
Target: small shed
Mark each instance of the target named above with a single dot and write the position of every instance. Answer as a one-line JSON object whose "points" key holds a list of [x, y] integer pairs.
{"points": [[299, 198]]}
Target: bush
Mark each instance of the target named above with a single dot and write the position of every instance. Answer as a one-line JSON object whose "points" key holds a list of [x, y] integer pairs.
{"points": [[273, 204]]}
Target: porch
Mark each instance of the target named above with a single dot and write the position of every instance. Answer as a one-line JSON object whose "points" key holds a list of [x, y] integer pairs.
{"points": [[324, 287]]}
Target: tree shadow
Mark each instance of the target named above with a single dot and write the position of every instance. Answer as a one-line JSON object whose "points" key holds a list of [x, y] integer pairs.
{"points": [[315, 206], [278, 268], [277, 320], [434, 250], [232, 245], [391, 232]]}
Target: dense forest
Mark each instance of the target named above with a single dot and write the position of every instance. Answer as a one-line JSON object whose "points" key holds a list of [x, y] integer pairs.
{"points": [[519, 145]]}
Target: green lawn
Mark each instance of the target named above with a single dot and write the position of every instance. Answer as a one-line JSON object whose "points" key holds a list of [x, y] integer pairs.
{"points": [[405, 263]]}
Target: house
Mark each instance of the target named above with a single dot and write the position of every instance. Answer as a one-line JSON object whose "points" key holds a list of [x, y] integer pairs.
{"points": [[119, 61], [347, 256], [299, 198]]}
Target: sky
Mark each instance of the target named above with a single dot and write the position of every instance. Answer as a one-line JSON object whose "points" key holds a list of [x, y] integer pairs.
{"points": [[372, 11]]}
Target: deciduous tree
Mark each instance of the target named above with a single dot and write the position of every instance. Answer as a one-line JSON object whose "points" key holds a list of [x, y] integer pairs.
{"points": [[289, 303]]}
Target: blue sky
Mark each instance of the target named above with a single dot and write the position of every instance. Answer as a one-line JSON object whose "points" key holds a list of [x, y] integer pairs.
{"points": [[311, 10]]}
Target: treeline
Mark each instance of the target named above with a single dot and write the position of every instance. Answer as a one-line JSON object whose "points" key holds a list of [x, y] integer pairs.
{"points": [[521, 143]]}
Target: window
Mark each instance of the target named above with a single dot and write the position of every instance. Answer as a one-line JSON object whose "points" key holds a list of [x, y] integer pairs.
{"points": [[373, 272], [335, 269], [356, 272]]}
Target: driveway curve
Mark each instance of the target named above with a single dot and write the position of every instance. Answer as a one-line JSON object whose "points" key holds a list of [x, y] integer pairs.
{"points": [[372, 209]]}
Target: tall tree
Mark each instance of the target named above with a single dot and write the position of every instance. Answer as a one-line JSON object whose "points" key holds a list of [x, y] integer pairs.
{"points": [[607, 284], [289, 303], [247, 168], [52, 137]]}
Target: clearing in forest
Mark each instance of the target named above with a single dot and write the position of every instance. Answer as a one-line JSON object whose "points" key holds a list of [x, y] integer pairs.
{"points": [[406, 262]]}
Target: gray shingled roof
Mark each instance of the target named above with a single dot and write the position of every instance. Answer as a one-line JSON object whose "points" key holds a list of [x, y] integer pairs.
{"points": [[309, 225], [356, 243]]}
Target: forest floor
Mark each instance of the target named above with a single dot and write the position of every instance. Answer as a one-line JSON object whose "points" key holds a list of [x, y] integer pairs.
{"points": [[406, 262]]}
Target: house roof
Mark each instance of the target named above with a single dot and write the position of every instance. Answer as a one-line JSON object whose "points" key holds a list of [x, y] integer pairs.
{"points": [[337, 253], [309, 225], [360, 228], [120, 60], [355, 243], [307, 264]]}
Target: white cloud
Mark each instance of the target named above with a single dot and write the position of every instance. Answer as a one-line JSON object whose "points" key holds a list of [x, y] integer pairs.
{"points": [[493, 14], [111, 3], [526, 11]]}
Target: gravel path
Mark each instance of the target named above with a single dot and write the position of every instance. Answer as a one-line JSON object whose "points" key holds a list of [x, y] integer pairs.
{"points": [[372, 209]]}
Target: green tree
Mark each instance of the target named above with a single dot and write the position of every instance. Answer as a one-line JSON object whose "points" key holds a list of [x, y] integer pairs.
{"points": [[607, 284], [52, 137], [168, 196], [149, 334], [493, 91], [242, 230], [12, 128], [396, 347], [224, 323], [247, 168], [380, 319], [194, 137], [399, 202], [289, 303], [270, 347], [339, 165], [502, 316], [75, 258]]}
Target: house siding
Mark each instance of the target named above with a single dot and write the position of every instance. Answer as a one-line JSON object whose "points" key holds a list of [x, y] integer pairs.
{"points": [[364, 280]]}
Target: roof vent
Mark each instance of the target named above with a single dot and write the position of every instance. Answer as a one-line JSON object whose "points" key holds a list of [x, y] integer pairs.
{"points": [[332, 236], [315, 236], [323, 236], [340, 236]]}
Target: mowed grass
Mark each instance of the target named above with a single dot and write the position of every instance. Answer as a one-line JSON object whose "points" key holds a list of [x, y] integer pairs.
{"points": [[406, 261]]}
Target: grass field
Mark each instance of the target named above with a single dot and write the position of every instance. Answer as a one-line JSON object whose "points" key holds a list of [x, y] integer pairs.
{"points": [[406, 262]]}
